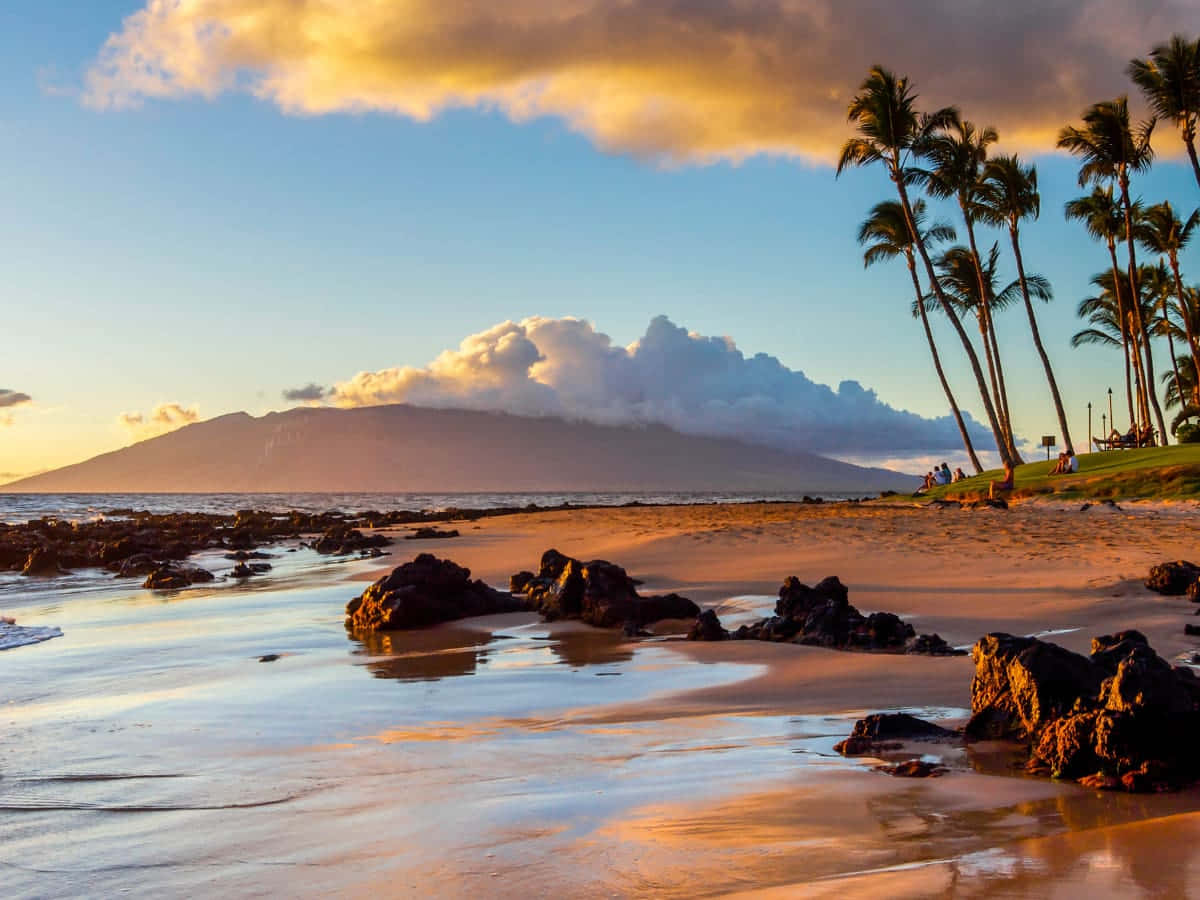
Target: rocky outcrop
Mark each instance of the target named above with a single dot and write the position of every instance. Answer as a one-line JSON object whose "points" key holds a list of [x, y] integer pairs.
{"points": [[342, 540], [708, 628], [1122, 717], [173, 577], [883, 731], [249, 569], [597, 592], [425, 592], [431, 534], [42, 561], [1174, 578]]}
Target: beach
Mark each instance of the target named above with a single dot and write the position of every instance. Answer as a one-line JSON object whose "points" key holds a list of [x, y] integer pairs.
{"points": [[149, 749]]}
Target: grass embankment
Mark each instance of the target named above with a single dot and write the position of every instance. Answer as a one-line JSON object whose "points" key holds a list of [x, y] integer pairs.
{"points": [[1155, 473]]}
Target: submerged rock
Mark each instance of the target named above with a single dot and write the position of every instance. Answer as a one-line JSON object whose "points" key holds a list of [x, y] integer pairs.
{"points": [[932, 645], [425, 592], [431, 534], [342, 540], [1121, 717], [883, 731], [914, 768], [173, 576]]}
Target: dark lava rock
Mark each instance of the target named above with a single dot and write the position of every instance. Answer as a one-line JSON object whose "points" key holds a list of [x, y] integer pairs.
{"points": [[1192, 630], [42, 561], [822, 616], [425, 592], [1172, 578], [172, 577], [249, 570], [341, 540], [932, 645], [708, 628], [519, 583], [137, 566], [244, 555], [988, 503], [883, 730], [914, 768], [1121, 718], [431, 534], [597, 592], [943, 504]]}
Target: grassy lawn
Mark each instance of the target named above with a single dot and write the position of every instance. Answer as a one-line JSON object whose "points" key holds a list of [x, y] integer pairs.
{"points": [[1163, 473]]}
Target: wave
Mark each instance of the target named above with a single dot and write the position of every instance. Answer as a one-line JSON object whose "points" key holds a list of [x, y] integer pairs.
{"points": [[14, 636]]}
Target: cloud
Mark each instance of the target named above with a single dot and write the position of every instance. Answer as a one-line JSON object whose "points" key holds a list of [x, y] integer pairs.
{"points": [[10, 399], [163, 418], [678, 80], [310, 393], [694, 384]]}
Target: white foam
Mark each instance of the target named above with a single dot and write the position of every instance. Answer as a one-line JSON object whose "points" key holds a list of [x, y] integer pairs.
{"points": [[13, 636]]}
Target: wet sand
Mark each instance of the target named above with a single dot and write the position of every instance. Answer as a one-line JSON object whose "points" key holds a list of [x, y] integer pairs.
{"points": [[148, 749]]}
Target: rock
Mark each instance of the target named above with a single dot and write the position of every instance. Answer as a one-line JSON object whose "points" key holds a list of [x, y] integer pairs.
{"points": [[708, 628], [430, 534], [249, 570], [884, 730], [1192, 630], [988, 503], [425, 592], [342, 540], [42, 561], [173, 577], [597, 592], [1193, 593], [137, 566], [519, 582], [914, 768], [931, 645], [1123, 717], [244, 555], [1172, 578], [270, 657], [943, 504]]}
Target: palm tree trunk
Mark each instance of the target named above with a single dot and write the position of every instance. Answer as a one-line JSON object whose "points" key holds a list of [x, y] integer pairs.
{"points": [[1171, 349], [1037, 340], [1187, 324], [990, 410], [937, 365], [995, 367], [1137, 309], [1189, 138], [1131, 354]]}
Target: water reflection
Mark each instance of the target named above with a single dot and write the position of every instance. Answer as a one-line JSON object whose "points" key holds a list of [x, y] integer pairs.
{"points": [[449, 651]]}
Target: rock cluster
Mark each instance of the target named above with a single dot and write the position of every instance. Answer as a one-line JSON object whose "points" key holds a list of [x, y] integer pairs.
{"points": [[425, 592], [1122, 717], [597, 592], [431, 534], [342, 540], [174, 576], [823, 616], [1175, 579]]}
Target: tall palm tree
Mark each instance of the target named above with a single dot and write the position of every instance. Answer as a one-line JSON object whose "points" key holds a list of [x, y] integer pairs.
{"points": [[956, 272], [1010, 192], [1109, 315], [1170, 79], [889, 128], [1158, 288], [1111, 149], [1160, 231], [954, 156], [1182, 388], [1104, 220], [886, 235]]}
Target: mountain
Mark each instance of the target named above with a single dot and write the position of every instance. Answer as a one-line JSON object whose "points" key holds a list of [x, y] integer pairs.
{"points": [[404, 448]]}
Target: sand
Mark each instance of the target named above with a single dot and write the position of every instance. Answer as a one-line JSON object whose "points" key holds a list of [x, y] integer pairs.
{"points": [[488, 758]]}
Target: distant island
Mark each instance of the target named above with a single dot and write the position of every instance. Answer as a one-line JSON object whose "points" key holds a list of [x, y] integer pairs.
{"points": [[402, 448]]}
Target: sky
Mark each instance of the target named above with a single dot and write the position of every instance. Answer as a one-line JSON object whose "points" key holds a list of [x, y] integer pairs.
{"points": [[610, 210]]}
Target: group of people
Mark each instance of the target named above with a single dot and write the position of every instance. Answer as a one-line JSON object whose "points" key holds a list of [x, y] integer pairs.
{"points": [[1068, 463], [939, 476]]}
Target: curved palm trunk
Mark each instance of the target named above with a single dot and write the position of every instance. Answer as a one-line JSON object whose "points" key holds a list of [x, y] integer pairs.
{"points": [[1187, 324], [1037, 339], [1124, 324], [1137, 310], [992, 348], [1171, 348], [1189, 138], [989, 409], [937, 365]]}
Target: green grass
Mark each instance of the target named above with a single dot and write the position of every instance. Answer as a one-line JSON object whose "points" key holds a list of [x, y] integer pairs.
{"points": [[1155, 473]]}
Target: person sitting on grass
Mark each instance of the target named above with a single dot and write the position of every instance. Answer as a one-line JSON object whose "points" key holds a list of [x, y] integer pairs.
{"points": [[959, 475], [1068, 464], [1002, 484], [1146, 438]]}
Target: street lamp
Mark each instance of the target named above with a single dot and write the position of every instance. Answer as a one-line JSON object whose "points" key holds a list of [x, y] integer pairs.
{"points": [[1110, 415], [1090, 445]]}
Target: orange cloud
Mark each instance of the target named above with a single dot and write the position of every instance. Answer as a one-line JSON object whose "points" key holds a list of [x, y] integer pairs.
{"points": [[674, 80], [163, 418]]}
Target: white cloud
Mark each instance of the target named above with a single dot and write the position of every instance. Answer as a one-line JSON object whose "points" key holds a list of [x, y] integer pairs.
{"points": [[694, 384], [163, 418]]}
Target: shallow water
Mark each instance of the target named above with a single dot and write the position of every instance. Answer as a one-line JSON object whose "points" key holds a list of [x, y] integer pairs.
{"points": [[149, 751]]}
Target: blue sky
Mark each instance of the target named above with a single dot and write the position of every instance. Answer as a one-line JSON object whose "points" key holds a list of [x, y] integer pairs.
{"points": [[215, 252]]}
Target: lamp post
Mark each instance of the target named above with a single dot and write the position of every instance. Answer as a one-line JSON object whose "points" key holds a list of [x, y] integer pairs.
{"points": [[1104, 427], [1090, 438], [1110, 415]]}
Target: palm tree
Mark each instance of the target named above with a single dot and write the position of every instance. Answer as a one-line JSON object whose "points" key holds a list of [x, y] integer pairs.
{"points": [[889, 129], [1170, 79], [1105, 221], [955, 154], [1182, 388], [1110, 315], [887, 236], [1111, 149], [1011, 195], [1160, 231], [1158, 288], [956, 272]]}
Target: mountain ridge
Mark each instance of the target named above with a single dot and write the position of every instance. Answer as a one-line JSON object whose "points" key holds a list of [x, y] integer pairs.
{"points": [[407, 449]]}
